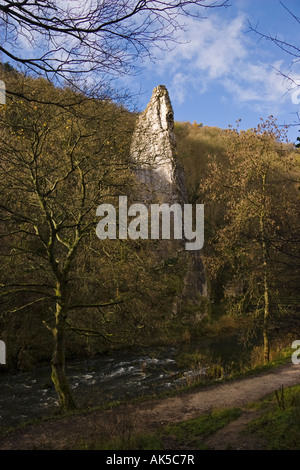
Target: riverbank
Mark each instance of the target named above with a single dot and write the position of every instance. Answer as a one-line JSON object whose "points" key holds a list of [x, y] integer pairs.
{"points": [[71, 432], [135, 375]]}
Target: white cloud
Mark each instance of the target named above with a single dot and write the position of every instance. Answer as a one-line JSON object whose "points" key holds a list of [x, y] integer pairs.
{"points": [[179, 87], [182, 83], [258, 84], [211, 46], [217, 52]]}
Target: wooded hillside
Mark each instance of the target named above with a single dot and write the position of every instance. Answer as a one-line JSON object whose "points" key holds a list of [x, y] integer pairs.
{"points": [[61, 156]]}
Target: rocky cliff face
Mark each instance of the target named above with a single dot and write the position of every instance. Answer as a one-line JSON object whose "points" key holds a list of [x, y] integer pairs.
{"points": [[154, 151], [155, 160]]}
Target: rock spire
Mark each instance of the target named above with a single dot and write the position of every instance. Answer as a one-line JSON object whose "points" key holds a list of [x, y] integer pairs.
{"points": [[155, 159], [154, 151]]}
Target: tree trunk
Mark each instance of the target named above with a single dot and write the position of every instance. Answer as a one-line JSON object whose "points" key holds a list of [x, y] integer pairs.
{"points": [[58, 375], [266, 320], [266, 275]]}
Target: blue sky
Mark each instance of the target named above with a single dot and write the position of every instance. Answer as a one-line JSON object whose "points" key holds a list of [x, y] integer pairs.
{"points": [[221, 72]]}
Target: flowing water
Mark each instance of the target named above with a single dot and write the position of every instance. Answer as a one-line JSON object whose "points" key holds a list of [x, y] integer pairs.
{"points": [[29, 395]]}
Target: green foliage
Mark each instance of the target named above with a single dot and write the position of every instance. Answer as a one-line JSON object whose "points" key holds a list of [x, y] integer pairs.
{"points": [[248, 181], [62, 140], [279, 426], [195, 145], [61, 156], [193, 432], [189, 434]]}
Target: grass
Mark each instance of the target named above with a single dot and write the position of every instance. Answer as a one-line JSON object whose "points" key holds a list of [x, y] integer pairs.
{"points": [[188, 434], [135, 442], [217, 372], [194, 361], [279, 421], [278, 427], [279, 424], [192, 433]]}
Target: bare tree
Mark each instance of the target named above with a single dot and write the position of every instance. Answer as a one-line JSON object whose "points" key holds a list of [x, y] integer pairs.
{"points": [[56, 167], [70, 40], [291, 49], [256, 183]]}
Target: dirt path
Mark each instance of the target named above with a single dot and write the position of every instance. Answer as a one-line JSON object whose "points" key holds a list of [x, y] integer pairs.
{"points": [[148, 416], [234, 437]]}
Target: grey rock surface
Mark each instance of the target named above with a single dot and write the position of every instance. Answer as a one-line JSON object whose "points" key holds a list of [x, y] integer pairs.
{"points": [[155, 160]]}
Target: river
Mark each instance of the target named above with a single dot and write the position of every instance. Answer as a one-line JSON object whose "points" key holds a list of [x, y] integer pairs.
{"points": [[96, 381]]}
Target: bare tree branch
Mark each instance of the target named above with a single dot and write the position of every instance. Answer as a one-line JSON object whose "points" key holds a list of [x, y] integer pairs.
{"points": [[91, 37]]}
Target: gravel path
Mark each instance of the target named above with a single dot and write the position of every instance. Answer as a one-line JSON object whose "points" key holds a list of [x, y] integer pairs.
{"points": [[150, 415]]}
